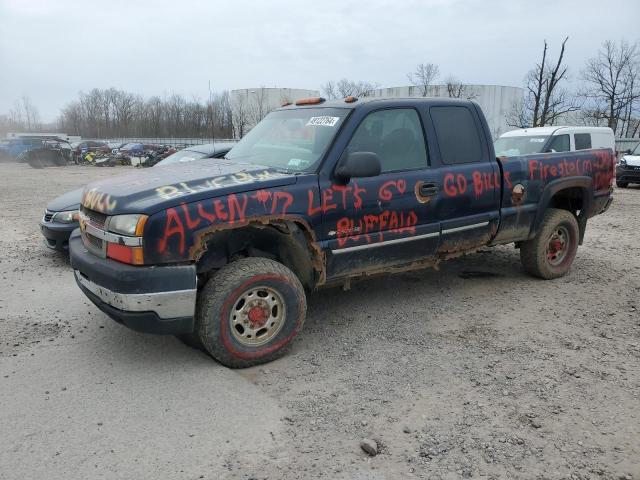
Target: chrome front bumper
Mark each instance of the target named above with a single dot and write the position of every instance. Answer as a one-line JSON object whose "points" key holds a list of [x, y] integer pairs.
{"points": [[153, 299], [173, 304]]}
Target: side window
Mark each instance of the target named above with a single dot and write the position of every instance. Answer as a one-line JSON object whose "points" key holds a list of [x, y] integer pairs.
{"points": [[395, 135], [457, 133], [583, 141], [559, 144]]}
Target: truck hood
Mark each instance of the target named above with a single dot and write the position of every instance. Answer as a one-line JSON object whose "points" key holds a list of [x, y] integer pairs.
{"points": [[632, 160], [148, 192], [68, 201]]}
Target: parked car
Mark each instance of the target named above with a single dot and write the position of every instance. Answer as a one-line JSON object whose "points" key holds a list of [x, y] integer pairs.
{"points": [[90, 146], [528, 141], [628, 168], [116, 146], [51, 152], [136, 149], [223, 250], [60, 219], [17, 146], [61, 215]]}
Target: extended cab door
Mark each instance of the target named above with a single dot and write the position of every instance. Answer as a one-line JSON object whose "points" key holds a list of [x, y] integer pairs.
{"points": [[469, 176], [387, 220]]}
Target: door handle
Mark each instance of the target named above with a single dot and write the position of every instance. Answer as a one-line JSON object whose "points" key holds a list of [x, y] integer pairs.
{"points": [[428, 189]]}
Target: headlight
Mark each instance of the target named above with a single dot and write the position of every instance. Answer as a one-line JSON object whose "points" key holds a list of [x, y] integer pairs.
{"points": [[68, 216], [131, 225], [622, 162]]}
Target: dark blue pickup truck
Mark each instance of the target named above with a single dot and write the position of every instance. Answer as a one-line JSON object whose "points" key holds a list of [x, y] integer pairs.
{"points": [[223, 250]]}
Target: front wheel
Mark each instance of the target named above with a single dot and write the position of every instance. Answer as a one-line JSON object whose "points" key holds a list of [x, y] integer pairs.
{"points": [[621, 184], [250, 311], [552, 251]]}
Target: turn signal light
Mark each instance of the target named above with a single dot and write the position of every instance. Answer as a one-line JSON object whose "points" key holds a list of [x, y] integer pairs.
{"points": [[125, 254]]}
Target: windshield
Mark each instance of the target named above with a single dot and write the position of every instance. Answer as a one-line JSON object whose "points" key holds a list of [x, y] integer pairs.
{"points": [[183, 156], [636, 151], [525, 145], [292, 140]]}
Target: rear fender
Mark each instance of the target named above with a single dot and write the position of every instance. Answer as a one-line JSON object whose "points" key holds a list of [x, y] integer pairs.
{"points": [[585, 184]]}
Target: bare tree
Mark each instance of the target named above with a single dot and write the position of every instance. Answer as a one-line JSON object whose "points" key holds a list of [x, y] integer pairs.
{"points": [[612, 81], [15, 115], [154, 112], [126, 106], [423, 77], [240, 115], [71, 119], [224, 115], [258, 107], [31, 116], [345, 88], [329, 90], [546, 100], [457, 89]]}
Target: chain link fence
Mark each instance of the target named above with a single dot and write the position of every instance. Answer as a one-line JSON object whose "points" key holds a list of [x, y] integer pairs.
{"points": [[173, 141]]}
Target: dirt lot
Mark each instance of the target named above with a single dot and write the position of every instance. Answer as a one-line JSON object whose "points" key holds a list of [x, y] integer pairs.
{"points": [[475, 370]]}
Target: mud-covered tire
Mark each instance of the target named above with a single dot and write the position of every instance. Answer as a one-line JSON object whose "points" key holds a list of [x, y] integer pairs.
{"points": [[621, 184], [535, 253], [191, 340], [218, 303]]}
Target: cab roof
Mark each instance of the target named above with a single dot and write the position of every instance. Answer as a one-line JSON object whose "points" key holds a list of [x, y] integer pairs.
{"points": [[361, 101]]}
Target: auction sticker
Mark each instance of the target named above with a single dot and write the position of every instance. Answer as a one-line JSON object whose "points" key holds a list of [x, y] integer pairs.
{"points": [[323, 121]]}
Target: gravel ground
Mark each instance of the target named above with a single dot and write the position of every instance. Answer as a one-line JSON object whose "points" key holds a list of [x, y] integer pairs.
{"points": [[475, 370]]}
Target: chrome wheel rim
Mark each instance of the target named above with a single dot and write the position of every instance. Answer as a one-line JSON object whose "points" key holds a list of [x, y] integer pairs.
{"points": [[257, 316], [558, 246]]}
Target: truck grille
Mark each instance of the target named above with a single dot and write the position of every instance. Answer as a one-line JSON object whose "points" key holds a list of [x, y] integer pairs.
{"points": [[97, 219], [95, 242], [95, 245]]}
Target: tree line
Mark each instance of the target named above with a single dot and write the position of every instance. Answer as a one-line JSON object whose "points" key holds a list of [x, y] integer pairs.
{"points": [[113, 113], [117, 113], [607, 94]]}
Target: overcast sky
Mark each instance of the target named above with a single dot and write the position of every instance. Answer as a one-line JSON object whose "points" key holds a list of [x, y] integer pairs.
{"points": [[51, 50]]}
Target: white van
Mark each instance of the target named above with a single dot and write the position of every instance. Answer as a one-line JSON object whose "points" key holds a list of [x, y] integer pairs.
{"points": [[553, 139]]}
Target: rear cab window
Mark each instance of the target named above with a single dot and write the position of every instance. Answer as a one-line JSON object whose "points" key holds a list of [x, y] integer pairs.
{"points": [[457, 135]]}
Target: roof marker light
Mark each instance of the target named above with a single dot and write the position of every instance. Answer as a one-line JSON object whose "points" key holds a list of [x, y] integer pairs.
{"points": [[310, 101], [350, 99]]}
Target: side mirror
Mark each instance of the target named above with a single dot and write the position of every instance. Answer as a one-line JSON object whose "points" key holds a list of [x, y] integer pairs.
{"points": [[359, 164], [627, 152]]}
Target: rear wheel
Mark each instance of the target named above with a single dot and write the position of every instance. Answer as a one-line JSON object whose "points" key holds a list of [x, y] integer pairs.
{"points": [[622, 184], [250, 311], [552, 251]]}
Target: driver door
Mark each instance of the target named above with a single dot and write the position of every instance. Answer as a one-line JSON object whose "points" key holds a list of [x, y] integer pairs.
{"points": [[384, 221]]}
